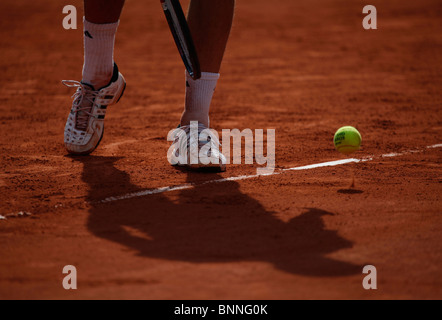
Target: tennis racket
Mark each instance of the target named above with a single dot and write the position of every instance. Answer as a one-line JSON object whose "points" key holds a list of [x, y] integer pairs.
{"points": [[181, 34]]}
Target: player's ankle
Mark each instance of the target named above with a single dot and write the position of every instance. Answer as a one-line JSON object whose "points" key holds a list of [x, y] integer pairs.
{"points": [[97, 81], [187, 117]]}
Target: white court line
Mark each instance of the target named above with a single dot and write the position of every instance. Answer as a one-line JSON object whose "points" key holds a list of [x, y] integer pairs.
{"points": [[245, 177]]}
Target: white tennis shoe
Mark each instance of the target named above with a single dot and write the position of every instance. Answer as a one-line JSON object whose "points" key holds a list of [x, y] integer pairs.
{"points": [[196, 147], [85, 124]]}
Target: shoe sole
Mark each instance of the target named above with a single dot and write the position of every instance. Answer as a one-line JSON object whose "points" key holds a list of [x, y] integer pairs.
{"points": [[200, 167]]}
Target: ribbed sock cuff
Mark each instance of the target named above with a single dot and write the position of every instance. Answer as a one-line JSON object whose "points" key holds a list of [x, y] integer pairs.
{"points": [[199, 92], [99, 40]]}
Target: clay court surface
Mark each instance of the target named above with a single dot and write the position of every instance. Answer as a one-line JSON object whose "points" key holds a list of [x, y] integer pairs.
{"points": [[304, 68]]}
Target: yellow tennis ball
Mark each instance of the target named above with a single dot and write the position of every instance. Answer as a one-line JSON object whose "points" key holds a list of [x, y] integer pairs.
{"points": [[347, 140]]}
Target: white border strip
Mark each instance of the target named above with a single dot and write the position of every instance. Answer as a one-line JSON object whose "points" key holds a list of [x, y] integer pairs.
{"points": [[245, 177]]}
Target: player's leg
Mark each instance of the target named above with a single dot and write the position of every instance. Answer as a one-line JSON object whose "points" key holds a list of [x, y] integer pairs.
{"points": [[103, 11], [100, 26], [210, 23], [102, 85]]}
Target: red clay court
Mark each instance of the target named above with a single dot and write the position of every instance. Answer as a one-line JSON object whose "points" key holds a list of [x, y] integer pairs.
{"points": [[304, 68]]}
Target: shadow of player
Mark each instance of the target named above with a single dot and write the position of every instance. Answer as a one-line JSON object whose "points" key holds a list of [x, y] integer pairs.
{"points": [[209, 223]]}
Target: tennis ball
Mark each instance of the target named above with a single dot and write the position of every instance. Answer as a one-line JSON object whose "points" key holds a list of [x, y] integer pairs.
{"points": [[347, 140]]}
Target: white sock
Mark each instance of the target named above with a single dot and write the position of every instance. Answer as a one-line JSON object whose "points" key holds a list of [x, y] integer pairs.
{"points": [[199, 95], [99, 42]]}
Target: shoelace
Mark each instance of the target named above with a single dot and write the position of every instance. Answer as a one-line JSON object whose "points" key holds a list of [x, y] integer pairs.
{"points": [[83, 101]]}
